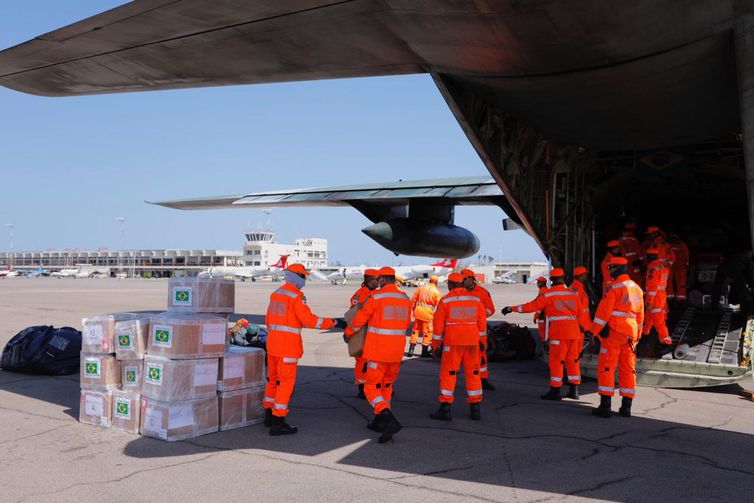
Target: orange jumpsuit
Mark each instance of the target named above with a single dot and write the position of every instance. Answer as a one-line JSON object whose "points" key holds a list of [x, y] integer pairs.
{"points": [[622, 310], [388, 316], [360, 367], [579, 287], [679, 270], [489, 309], [655, 302], [287, 313], [631, 249], [460, 322], [424, 302], [664, 249], [567, 315], [540, 318]]}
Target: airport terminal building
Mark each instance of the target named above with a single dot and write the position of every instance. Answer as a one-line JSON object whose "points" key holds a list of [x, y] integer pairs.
{"points": [[261, 249]]}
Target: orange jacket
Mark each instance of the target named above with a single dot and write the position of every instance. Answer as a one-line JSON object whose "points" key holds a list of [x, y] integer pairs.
{"points": [[485, 298], [540, 316], [622, 308], [360, 296], [681, 252], [287, 313], [460, 320], [424, 302], [583, 295], [631, 248], [564, 309], [388, 316], [664, 249], [657, 276]]}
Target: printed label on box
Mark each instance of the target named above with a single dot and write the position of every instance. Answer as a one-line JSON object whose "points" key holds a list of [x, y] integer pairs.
{"points": [[125, 341], [153, 421], [205, 374], [92, 368], [154, 374], [180, 415], [123, 408], [132, 376], [233, 367], [214, 333], [182, 295], [94, 406], [93, 333], [162, 336]]}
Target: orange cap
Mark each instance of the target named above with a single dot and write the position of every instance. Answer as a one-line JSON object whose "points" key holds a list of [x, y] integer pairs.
{"points": [[630, 226], [243, 322], [557, 272], [433, 279], [651, 229], [542, 278], [298, 268], [613, 243], [455, 277], [386, 271], [468, 273], [580, 270], [371, 272], [617, 261], [653, 251]]}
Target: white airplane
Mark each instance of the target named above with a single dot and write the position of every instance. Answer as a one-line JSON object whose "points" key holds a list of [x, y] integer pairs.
{"points": [[8, 273], [509, 278], [69, 273], [424, 271], [341, 275], [245, 273]]}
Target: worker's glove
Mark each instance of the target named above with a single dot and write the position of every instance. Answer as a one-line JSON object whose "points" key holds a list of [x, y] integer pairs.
{"points": [[340, 323], [506, 310], [589, 336]]}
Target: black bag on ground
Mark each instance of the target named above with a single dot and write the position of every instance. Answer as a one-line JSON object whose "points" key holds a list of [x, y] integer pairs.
{"points": [[508, 341], [43, 350]]}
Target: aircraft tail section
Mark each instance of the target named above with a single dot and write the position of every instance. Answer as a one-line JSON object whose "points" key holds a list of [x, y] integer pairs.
{"points": [[449, 263], [282, 262]]}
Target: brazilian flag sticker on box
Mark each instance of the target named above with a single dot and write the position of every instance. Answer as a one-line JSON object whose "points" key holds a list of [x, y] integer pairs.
{"points": [[182, 296], [123, 407], [154, 374], [92, 368], [162, 336], [132, 376], [124, 340]]}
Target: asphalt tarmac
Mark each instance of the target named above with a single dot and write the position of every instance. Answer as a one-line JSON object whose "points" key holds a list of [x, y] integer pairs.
{"points": [[681, 445]]}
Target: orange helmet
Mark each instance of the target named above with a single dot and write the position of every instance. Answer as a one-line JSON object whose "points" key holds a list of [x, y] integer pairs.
{"points": [[613, 243], [243, 322], [579, 270], [630, 226], [468, 273], [371, 272], [455, 277], [386, 271], [617, 261], [652, 229], [653, 251], [542, 279], [298, 269], [433, 279], [557, 273]]}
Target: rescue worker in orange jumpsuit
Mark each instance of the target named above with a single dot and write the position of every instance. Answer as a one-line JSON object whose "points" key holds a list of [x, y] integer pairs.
{"points": [[539, 316], [360, 297], [656, 240], [460, 323], [622, 310], [424, 302], [387, 314], [613, 250], [631, 249], [287, 314], [580, 284], [474, 288], [655, 303], [680, 268], [568, 316]]}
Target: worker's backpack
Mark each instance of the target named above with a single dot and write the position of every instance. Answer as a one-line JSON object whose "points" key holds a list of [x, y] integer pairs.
{"points": [[508, 341], [43, 350]]}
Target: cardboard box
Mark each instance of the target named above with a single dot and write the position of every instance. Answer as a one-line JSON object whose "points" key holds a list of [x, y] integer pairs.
{"points": [[171, 380], [179, 335], [126, 413], [95, 407], [132, 375], [202, 295], [178, 420], [241, 408], [100, 372], [98, 332], [131, 338], [241, 367]]}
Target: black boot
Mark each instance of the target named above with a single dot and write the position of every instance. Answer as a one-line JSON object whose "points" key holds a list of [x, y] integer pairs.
{"points": [[411, 349], [604, 409], [476, 413], [552, 394], [391, 426], [426, 352], [376, 424], [625, 407], [268, 417], [280, 427], [487, 385], [443, 413], [361, 391], [573, 391]]}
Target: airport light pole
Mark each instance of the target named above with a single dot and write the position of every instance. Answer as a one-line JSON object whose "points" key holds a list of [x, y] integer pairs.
{"points": [[11, 228], [122, 222]]}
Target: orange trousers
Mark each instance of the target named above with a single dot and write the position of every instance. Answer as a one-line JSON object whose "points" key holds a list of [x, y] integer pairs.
{"points": [[484, 371], [424, 328], [281, 379], [564, 353], [655, 317], [360, 370], [677, 281], [615, 351], [453, 357], [542, 326], [379, 384]]}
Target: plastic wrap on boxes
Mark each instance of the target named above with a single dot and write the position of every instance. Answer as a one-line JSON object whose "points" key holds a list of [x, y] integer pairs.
{"points": [[99, 372], [170, 380], [126, 412], [201, 295], [98, 332], [131, 338], [182, 335], [241, 407], [178, 420], [132, 375], [241, 367], [96, 407]]}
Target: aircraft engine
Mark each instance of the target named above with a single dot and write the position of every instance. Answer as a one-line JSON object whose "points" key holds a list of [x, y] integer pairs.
{"points": [[404, 236]]}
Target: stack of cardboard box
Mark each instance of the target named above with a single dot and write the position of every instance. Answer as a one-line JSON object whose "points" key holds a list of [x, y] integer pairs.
{"points": [[240, 387], [130, 350]]}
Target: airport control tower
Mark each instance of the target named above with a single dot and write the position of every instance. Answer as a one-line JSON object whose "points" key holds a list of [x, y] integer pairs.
{"points": [[261, 249]]}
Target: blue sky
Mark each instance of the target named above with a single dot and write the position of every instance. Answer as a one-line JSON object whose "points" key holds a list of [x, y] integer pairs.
{"points": [[71, 165]]}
